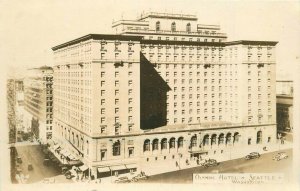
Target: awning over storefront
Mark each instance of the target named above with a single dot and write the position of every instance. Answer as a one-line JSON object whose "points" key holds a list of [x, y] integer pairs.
{"points": [[119, 167], [103, 169], [199, 152], [83, 168], [131, 166], [65, 153], [72, 157]]}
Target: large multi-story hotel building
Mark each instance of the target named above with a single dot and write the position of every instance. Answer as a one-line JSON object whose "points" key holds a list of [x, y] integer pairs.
{"points": [[163, 87], [38, 98]]}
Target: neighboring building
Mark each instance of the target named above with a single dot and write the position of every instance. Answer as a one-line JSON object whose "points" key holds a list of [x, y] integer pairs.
{"points": [[162, 88], [15, 103], [284, 105], [39, 102]]}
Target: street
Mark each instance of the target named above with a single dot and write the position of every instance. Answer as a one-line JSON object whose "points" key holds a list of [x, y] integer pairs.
{"points": [[264, 164], [32, 154]]}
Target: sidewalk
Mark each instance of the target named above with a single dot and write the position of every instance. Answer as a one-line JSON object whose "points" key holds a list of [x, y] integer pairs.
{"points": [[169, 166]]}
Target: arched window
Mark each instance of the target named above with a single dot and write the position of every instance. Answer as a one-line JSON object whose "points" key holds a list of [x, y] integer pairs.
{"points": [[155, 144], [213, 139], [173, 27], [164, 144], [194, 141], [221, 139], [147, 145], [188, 27], [116, 148], [236, 137], [206, 140], [172, 143], [228, 138], [157, 26], [180, 142], [259, 137]]}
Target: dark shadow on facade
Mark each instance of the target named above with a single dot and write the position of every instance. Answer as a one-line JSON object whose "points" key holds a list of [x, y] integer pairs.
{"points": [[35, 127], [153, 103]]}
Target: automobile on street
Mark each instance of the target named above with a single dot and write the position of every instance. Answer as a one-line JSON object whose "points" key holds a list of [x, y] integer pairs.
{"points": [[210, 162], [280, 156], [139, 177], [123, 179], [252, 155]]}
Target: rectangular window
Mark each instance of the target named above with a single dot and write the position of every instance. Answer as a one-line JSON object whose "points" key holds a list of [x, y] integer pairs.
{"points": [[130, 100]]}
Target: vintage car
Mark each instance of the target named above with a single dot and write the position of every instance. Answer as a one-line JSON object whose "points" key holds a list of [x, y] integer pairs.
{"points": [[19, 160], [252, 155], [30, 166], [123, 179], [280, 156], [210, 162], [139, 177]]}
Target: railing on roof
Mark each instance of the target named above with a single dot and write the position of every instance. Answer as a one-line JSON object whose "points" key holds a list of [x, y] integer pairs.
{"points": [[167, 14], [173, 32]]}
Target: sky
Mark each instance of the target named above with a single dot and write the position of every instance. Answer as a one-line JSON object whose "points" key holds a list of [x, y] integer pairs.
{"points": [[28, 29]]}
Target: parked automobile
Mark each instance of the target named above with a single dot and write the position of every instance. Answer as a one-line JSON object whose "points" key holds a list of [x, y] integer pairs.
{"points": [[280, 156], [18, 170], [69, 175], [30, 166], [123, 179], [19, 160], [252, 155], [46, 162], [139, 177], [210, 162]]}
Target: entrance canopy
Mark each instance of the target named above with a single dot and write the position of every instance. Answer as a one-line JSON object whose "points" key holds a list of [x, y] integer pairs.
{"points": [[119, 167], [103, 169], [130, 166], [198, 152]]}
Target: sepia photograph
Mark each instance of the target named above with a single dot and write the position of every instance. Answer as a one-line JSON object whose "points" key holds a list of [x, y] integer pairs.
{"points": [[148, 94]]}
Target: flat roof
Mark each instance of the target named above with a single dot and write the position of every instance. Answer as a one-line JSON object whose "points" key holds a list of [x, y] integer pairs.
{"points": [[97, 37], [168, 16]]}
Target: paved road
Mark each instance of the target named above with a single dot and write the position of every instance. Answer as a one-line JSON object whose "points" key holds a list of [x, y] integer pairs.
{"points": [[264, 164], [34, 155]]}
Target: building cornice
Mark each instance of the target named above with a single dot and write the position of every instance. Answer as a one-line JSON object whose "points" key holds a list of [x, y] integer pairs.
{"points": [[97, 37]]}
